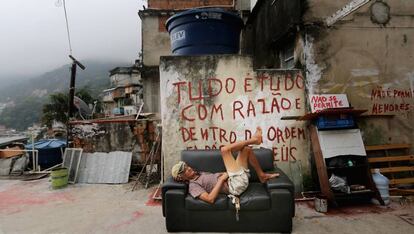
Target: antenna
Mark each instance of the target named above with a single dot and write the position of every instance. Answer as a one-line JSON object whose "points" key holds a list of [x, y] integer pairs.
{"points": [[77, 62], [83, 108]]}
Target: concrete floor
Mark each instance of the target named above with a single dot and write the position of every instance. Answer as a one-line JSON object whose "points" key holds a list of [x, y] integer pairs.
{"points": [[33, 207]]}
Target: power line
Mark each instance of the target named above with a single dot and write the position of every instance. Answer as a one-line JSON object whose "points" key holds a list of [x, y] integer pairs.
{"points": [[67, 27]]}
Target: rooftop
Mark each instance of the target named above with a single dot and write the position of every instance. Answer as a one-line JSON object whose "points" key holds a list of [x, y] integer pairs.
{"points": [[4, 141]]}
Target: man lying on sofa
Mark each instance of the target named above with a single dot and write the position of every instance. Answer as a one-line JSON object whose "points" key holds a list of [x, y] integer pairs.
{"points": [[206, 186]]}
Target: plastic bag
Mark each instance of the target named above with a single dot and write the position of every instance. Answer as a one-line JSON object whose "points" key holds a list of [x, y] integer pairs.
{"points": [[339, 183]]}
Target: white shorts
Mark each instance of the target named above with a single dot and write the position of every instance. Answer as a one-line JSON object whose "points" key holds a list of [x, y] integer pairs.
{"points": [[238, 181]]}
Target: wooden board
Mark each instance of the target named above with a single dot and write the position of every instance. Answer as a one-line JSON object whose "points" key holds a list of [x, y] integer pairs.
{"points": [[391, 159], [387, 147], [395, 169], [320, 165], [401, 192], [339, 111], [402, 181], [11, 152]]}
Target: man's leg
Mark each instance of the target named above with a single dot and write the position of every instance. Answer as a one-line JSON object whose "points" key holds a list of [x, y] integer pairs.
{"points": [[226, 152], [247, 155]]}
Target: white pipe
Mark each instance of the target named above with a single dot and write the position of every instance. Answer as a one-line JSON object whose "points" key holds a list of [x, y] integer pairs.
{"points": [[34, 163]]}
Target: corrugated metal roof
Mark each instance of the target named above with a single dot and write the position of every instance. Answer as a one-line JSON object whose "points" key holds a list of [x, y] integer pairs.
{"points": [[105, 168], [4, 141]]}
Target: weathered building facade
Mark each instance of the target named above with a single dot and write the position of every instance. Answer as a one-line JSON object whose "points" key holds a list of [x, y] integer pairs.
{"points": [[213, 100], [156, 40], [369, 56], [125, 96], [361, 48]]}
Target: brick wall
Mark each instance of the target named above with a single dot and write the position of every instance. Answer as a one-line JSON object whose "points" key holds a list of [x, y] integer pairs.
{"points": [[184, 4], [161, 22]]}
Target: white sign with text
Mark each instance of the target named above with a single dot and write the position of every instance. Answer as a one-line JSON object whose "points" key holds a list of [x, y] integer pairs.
{"points": [[324, 101]]}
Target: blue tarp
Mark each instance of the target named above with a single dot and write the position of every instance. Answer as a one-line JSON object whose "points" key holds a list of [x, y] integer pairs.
{"points": [[47, 144], [50, 151]]}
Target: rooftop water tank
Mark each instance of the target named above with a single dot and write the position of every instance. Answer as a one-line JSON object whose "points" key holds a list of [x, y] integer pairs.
{"points": [[204, 31]]}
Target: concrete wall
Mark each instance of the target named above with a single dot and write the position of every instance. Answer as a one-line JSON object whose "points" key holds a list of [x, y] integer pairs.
{"points": [[371, 63], [318, 10], [155, 43], [125, 79], [151, 94], [137, 137], [210, 101]]}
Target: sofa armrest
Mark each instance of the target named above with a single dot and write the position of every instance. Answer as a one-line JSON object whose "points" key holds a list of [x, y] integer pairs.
{"points": [[280, 182], [175, 211], [170, 184], [283, 209]]}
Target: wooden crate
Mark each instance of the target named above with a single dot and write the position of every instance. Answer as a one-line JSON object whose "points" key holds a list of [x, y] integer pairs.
{"points": [[395, 162]]}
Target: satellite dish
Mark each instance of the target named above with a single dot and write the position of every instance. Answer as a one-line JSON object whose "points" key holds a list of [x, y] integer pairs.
{"points": [[83, 108]]}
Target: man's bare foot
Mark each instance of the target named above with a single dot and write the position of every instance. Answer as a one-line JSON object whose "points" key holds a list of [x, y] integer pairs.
{"points": [[258, 136], [266, 176]]}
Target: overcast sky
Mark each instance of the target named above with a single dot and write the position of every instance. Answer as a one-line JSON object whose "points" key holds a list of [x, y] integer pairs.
{"points": [[33, 37]]}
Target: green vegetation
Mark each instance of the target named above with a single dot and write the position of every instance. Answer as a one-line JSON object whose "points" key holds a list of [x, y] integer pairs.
{"points": [[23, 114], [57, 107]]}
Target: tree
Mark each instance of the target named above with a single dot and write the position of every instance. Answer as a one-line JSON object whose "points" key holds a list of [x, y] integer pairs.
{"points": [[57, 107]]}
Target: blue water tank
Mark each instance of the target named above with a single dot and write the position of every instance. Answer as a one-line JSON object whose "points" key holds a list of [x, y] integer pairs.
{"points": [[204, 31]]}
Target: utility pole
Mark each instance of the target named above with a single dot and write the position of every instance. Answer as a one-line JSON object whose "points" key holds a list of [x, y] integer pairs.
{"points": [[75, 63]]}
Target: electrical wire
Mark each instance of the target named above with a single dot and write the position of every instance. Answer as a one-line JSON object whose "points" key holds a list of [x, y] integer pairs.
{"points": [[67, 27]]}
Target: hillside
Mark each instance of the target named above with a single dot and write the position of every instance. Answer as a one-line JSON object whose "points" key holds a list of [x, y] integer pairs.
{"points": [[26, 98]]}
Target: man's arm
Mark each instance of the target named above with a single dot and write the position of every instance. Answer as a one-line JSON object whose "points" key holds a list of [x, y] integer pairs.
{"points": [[211, 197]]}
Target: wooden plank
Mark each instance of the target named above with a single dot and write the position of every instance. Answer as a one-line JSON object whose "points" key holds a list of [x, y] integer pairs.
{"points": [[391, 158], [294, 117], [387, 147], [320, 164], [401, 192], [395, 169], [402, 181], [338, 111]]}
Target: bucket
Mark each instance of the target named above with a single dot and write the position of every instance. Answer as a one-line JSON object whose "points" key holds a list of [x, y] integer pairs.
{"points": [[321, 204], [59, 178]]}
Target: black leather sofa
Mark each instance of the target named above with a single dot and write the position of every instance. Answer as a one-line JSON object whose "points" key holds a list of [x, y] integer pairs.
{"points": [[265, 207]]}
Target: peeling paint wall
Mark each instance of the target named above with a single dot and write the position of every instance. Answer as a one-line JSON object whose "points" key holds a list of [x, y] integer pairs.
{"points": [[210, 101], [136, 137], [371, 63]]}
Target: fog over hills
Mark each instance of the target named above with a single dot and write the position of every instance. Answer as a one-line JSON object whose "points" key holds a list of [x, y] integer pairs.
{"points": [[26, 97]]}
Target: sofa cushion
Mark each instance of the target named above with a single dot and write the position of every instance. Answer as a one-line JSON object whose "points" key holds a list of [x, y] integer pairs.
{"points": [[254, 198], [197, 204]]}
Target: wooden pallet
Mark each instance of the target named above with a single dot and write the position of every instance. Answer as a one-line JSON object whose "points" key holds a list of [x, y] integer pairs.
{"points": [[394, 162]]}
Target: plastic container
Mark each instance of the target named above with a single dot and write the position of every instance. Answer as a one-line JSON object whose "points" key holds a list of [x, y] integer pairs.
{"points": [[204, 31], [321, 204], [335, 122], [382, 184]]}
